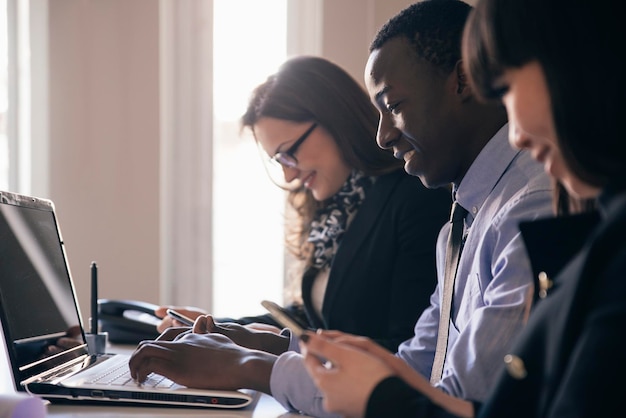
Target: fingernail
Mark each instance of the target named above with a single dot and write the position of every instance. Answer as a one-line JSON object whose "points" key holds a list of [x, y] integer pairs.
{"points": [[319, 331], [304, 338]]}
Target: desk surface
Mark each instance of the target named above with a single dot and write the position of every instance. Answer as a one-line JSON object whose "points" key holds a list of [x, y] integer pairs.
{"points": [[263, 407]]}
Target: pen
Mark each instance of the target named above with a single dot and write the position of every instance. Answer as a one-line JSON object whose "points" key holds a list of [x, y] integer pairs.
{"points": [[94, 298]]}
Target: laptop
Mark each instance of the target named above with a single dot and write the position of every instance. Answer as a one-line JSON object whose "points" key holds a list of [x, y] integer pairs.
{"points": [[38, 306]]}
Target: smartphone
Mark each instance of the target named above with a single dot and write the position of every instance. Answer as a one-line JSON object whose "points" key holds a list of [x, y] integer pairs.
{"points": [[180, 317], [286, 319], [283, 317]]}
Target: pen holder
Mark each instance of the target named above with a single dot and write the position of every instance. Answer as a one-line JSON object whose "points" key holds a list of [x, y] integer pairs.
{"points": [[96, 343]]}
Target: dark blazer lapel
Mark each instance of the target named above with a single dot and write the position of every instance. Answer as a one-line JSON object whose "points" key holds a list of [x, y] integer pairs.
{"points": [[552, 242], [361, 225]]}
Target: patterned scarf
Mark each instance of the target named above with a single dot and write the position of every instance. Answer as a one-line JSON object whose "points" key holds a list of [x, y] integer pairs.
{"points": [[330, 222]]}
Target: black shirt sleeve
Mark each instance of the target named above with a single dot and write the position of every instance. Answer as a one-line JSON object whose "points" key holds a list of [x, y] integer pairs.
{"points": [[394, 397]]}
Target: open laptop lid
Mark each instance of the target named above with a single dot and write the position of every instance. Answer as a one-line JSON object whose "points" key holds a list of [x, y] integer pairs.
{"points": [[37, 298], [38, 306]]}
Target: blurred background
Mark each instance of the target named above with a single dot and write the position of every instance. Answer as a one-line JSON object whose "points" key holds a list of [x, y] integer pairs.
{"points": [[126, 114]]}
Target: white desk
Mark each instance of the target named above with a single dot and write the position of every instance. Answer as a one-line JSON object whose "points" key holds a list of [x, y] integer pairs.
{"points": [[263, 407]]}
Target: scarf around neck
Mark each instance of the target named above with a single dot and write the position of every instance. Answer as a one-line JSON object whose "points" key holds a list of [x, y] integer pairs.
{"points": [[331, 221]]}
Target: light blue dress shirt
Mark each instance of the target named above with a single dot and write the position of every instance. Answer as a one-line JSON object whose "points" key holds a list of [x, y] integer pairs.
{"points": [[493, 288], [494, 283]]}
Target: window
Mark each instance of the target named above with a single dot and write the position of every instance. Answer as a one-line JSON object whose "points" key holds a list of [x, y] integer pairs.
{"points": [[221, 246], [222, 237], [247, 207], [4, 97], [14, 96]]}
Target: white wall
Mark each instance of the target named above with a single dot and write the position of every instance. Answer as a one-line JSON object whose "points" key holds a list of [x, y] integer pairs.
{"points": [[104, 142], [104, 100], [349, 28]]}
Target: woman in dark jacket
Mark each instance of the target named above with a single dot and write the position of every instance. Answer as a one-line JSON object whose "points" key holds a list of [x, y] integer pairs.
{"points": [[361, 232], [558, 67]]}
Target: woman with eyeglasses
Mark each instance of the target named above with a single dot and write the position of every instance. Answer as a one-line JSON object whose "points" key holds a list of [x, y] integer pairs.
{"points": [[361, 230]]}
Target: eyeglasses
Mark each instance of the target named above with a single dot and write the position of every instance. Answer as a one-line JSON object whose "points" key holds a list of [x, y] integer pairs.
{"points": [[287, 158]]}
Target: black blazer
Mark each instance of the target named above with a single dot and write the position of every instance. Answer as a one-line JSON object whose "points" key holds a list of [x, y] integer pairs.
{"points": [[569, 360], [384, 271]]}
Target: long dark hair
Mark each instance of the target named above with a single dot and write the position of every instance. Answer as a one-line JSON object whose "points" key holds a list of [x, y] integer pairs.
{"points": [[308, 88], [579, 46]]}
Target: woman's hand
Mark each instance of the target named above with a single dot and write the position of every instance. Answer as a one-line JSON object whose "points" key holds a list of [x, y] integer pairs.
{"points": [[344, 373], [167, 321], [358, 365]]}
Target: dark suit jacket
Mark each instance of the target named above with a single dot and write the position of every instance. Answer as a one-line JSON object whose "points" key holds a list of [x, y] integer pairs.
{"points": [[569, 360], [383, 274]]}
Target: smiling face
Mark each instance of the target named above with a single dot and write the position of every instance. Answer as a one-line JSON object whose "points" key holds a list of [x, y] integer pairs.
{"points": [[420, 114], [320, 166], [531, 125]]}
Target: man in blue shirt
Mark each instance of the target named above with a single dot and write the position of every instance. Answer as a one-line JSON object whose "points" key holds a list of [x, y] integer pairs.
{"points": [[430, 119]]}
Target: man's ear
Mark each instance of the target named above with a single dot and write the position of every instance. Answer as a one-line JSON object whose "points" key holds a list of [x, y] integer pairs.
{"points": [[462, 86]]}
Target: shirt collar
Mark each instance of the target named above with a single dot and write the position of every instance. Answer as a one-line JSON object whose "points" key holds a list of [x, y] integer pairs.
{"points": [[485, 171]]}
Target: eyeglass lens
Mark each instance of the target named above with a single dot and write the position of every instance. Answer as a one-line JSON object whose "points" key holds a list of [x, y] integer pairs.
{"points": [[288, 158]]}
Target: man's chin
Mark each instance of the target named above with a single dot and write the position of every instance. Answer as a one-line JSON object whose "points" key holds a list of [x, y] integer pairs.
{"points": [[412, 171]]}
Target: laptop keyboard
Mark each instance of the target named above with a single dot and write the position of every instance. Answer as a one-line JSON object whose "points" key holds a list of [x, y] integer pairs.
{"points": [[119, 375]]}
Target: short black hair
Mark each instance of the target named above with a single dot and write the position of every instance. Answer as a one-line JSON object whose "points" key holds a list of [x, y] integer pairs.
{"points": [[434, 28]]}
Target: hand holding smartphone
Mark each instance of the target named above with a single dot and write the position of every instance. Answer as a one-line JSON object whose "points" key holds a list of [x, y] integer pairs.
{"points": [[180, 317], [283, 317]]}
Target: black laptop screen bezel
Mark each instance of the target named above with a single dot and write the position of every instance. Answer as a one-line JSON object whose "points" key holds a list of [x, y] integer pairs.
{"points": [[24, 368]]}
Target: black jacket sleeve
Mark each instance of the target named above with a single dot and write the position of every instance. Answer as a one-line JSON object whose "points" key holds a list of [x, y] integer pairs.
{"points": [[394, 397], [296, 310]]}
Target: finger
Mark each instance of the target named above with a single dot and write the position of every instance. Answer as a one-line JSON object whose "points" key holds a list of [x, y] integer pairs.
{"points": [[330, 333], [172, 333], [165, 323], [317, 366], [150, 357], [314, 366], [177, 324], [206, 324], [222, 328], [328, 353], [161, 311], [200, 326], [210, 323], [362, 343], [185, 331]]}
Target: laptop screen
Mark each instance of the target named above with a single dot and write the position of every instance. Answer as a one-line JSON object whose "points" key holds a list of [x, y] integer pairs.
{"points": [[37, 306]]}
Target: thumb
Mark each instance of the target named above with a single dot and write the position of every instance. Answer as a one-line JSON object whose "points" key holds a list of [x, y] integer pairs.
{"points": [[320, 346], [203, 324], [161, 311]]}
